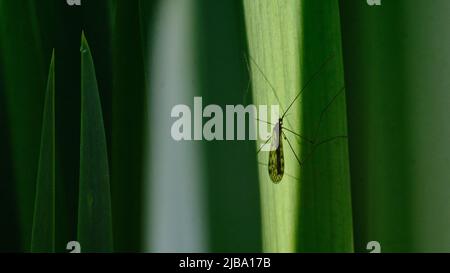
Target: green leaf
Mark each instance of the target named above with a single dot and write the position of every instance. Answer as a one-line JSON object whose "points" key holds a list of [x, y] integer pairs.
{"points": [[94, 213], [232, 181], [43, 232], [129, 102], [325, 222], [24, 81], [383, 93], [275, 54], [289, 42]]}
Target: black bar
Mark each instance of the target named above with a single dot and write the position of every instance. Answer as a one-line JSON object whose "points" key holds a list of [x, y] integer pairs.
{"points": [[220, 262]]}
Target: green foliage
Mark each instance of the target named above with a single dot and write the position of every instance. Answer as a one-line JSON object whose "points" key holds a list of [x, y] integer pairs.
{"points": [[128, 111], [289, 41], [325, 222], [24, 90], [43, 233], [380, 114], [273, 39], [231, 171], [60, 181], [94, 212]]}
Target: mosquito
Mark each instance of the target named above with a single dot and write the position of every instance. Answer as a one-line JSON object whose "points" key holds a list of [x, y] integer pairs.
{"points": [[276, 164]]}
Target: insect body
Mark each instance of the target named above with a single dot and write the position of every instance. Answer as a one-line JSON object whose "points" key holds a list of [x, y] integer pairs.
{"points": [[276, 154]]}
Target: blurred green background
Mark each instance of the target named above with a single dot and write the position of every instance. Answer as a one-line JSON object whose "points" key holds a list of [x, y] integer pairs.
{"points": [[169, 196]]}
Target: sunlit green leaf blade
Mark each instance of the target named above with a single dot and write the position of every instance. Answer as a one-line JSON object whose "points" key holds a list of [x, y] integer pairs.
{"points": [[94, 213], [289, 41], [273, 39], [43, 233]]}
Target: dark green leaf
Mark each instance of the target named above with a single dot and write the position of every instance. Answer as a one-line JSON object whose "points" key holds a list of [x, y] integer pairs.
{"points": [[129, 114], [24, 67], [383, 92], [43, 233], [232, 189], [325, 216], [94, 213]]}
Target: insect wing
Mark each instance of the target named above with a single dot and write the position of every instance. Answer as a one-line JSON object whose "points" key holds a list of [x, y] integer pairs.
{"points": [[276, 158]]}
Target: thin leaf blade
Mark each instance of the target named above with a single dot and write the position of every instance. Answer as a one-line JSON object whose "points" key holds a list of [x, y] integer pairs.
{"points": [[310, 209], [24, 84], [43, 231], [94, 214], [273, 58]]}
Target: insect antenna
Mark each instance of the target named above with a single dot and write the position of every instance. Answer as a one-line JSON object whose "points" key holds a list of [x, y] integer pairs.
{"points": [[247, 91], [309, 82], [265, 78]]}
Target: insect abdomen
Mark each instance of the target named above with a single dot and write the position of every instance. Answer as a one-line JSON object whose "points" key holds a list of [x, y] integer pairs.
{"points": [[276, 157]]}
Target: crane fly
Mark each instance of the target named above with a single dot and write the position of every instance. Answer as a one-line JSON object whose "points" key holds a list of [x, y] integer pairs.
{"points": [[276, 154], [276, 162]]}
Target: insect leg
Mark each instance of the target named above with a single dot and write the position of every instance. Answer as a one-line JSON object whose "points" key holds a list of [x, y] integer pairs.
{"points": [[300, 136], [330, 139], [289, 130], [292, 149], [265, 143], [322, 143], [322, 114]]}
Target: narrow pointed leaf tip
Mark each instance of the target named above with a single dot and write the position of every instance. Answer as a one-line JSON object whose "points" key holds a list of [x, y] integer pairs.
{"points": [[94, 214], [43, 230]]}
